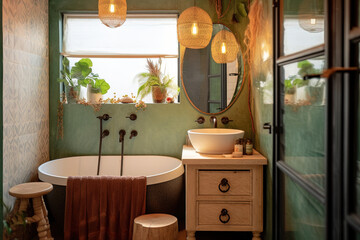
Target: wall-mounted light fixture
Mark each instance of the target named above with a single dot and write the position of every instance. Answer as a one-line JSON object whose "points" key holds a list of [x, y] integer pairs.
{"points": [[112, 13], [194, 28]]}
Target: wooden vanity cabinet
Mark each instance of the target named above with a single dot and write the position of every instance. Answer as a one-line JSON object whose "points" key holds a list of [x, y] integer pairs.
{"points": [[223, 194]]}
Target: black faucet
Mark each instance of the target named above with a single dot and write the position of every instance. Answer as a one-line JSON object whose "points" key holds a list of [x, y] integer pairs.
{"points": [[122, 133], [133, 133], [213, 120]]}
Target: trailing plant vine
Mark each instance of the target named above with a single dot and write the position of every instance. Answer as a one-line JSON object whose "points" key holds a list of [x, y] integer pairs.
{"points": [[252, 31]]}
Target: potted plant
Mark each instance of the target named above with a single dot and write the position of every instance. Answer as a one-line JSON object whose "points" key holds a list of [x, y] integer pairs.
{"points": [[156, 82], [96, 86], [72, 89], [15, 225], [289, 91], [304, 89]]}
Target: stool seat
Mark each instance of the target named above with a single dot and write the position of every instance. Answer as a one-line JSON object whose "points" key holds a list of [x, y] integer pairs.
{"points": [[35, 191], [155, 227], [31, 189]]}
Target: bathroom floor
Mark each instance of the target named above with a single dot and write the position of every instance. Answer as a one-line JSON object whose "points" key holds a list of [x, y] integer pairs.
{"points": [[182, 235], [217, 235]]}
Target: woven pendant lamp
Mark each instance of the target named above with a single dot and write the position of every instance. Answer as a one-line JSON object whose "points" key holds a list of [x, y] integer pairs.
{"points": [[194, 28], [311, 16], [312, 23], [224, 47], [112, 13]]}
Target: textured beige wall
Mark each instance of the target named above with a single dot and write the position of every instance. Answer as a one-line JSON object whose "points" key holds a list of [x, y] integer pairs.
{"points": [[26, 90]]}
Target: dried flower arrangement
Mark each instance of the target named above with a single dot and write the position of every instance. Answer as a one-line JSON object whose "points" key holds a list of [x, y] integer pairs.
{"points": [[154, 77], [140, 105]]}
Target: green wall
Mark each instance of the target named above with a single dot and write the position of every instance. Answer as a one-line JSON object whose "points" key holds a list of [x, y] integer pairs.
{"points": [[262, 89], [162, 127], [1, 113]]}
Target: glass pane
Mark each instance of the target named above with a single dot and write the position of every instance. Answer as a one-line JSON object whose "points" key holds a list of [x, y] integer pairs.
{"points": [[303, 25], [215, 89], [303, 216], [358, 12], [140, 34], [356, 103], [214, 107], [121, 74], [303, 119], [215, 68]]}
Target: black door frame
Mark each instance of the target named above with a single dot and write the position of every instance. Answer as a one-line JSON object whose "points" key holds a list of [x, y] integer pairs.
{"points": [[351, 100], [342, 39], [280, 167]]}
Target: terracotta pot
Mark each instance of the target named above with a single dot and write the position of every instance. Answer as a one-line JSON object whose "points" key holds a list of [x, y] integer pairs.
{"points": [[158, 94], [93, 96], [72, 94], [289, 99]]}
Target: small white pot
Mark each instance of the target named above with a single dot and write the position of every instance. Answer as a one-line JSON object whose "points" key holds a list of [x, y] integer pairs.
{"points": [[302, 94], [93, 97]]}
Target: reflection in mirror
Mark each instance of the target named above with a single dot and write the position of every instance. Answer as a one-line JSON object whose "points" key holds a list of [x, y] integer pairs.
{"points": [[211, 87]]}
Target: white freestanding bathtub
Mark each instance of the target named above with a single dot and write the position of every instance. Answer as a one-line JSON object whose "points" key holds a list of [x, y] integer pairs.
{"points": [[165, 182], [157, 169]]}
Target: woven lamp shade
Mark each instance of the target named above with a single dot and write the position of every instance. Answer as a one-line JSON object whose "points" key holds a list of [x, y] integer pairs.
{"points": [[224, 47], [312, 23], [112, 13], [194, 28], [312, 16]]}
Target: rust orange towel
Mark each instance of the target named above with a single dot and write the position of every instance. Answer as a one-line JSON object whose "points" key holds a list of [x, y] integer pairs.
{"points": [[100, 208]]}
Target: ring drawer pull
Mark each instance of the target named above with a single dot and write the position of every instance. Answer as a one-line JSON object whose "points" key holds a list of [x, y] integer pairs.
{"points": [[224, 216], [224, 185]]}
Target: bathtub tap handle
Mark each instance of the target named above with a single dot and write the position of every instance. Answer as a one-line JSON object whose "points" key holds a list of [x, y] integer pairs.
{"points": [[132, 117], [104, 117], [122, 133], [133, 133], [105, 133]]}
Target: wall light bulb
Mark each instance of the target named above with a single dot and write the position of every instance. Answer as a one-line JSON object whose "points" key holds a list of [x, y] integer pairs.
{"points": [[112, 8], [223, 48], [312, 21], [194, 29]]}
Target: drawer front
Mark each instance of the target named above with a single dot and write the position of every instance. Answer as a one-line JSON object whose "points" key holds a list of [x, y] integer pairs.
{"points": [[225, 213], [222, 183]]}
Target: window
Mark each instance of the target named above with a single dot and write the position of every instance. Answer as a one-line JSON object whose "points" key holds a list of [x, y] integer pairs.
{"points": [[120, 54]]}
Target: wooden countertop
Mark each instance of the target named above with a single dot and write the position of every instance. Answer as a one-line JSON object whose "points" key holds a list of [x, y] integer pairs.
{"points": [[190, 156]]}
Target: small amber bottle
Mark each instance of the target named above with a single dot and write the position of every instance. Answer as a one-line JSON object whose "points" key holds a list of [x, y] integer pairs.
{"points": [[249, 147]]}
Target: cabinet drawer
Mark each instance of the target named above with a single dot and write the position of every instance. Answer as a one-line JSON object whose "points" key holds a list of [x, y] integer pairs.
{"points": [[222, 183], [237, 213]]}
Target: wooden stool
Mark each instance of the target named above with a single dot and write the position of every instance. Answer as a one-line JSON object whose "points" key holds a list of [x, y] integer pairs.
{"points": [[35, 190], [155, 227]]}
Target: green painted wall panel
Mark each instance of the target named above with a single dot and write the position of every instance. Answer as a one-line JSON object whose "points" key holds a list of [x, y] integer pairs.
{"points": [[1, 114], [162, 127], [262, 88]]}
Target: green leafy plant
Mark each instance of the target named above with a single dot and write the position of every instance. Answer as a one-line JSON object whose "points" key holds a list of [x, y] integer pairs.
{"points": [[289, 87], [82, 71], [305, 68], [154, 77], [66, 76], [12, 221]]}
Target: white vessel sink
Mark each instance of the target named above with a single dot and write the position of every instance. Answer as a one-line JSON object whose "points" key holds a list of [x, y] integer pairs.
{"points": [[214, 140]]}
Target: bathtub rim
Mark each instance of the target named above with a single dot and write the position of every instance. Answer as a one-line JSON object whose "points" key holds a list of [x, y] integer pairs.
{"points": [[150, 180]]}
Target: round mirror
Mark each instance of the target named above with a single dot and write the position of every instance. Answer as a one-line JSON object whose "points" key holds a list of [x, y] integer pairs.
{"points": [[211, 87]]}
